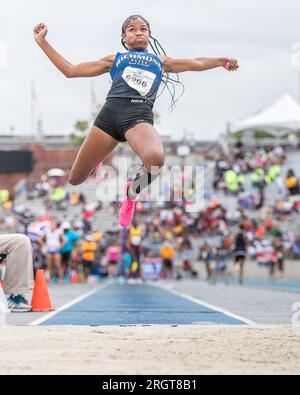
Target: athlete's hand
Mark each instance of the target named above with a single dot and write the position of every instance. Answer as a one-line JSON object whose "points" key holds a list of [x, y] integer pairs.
{"points": [[40, 31], [231, 65]]}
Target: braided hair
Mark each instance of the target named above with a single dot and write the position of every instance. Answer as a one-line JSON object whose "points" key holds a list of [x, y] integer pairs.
{"points": [[171, 84]]}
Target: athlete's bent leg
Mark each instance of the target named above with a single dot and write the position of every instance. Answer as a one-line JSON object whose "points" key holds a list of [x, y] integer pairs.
{"points": [[147, 144], [145, 141], [95, 148]]}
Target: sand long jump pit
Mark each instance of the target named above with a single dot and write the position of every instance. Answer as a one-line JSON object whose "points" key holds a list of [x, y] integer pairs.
{"points": [[186, 349], [147, 330]]}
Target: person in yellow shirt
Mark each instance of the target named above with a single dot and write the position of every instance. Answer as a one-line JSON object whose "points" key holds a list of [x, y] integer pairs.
{"points": [[292, 183], [74, 199], [97, 236], [88, 252], [178, 229], [167, 253], [135, 238], [4, 196], [7, 205]]}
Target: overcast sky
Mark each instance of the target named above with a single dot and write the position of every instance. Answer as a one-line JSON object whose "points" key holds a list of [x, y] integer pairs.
{"points": [[260, 35]]}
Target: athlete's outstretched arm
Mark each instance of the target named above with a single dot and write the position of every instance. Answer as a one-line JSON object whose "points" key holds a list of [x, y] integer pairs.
{"points": [[87, 69], [172, 65]]}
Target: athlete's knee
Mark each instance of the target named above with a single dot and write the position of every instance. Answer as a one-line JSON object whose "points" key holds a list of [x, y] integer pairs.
{"points": [[154, 159], [74, 179]]}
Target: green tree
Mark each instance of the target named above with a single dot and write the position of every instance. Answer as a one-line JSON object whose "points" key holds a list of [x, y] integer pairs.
{"points": [[258, 134], [81, 127]]}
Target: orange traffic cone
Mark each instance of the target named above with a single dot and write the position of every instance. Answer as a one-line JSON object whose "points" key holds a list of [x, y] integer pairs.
{"points": [[40, 298]]}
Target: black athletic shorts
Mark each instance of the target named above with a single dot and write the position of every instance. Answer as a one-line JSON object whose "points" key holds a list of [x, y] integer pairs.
{"points": [[118, 115], [240, 255]]}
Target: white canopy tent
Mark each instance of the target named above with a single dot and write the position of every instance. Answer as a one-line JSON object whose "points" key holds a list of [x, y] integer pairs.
{"points": [[281, 117]]}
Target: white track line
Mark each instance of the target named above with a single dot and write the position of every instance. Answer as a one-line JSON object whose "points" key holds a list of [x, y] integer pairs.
{"points": [[210, 306], [66, 306]]}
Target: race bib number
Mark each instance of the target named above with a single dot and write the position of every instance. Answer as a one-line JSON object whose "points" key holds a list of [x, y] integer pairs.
{"points": [[140, 80]]}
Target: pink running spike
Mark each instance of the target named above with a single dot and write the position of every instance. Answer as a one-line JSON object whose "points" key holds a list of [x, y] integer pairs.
{"points": [[127, 209]]}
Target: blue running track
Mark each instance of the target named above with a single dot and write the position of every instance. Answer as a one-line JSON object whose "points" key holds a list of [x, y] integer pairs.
{"points": [[138, 305]]}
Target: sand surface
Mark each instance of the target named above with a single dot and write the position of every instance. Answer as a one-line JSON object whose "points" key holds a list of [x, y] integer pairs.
{"points": [[150, 350]]}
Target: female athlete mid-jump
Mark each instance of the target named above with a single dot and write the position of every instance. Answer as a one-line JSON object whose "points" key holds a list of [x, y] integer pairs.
{"points": [[127, 114]]}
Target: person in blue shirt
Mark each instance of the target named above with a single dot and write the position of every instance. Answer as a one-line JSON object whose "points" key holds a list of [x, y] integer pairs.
{"points": [[127, 113], [67, 249]]}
